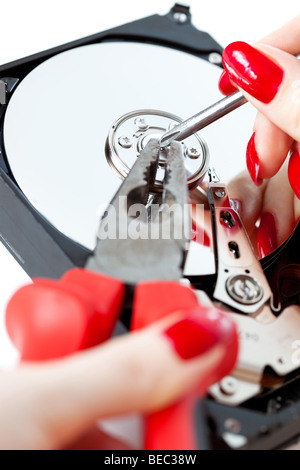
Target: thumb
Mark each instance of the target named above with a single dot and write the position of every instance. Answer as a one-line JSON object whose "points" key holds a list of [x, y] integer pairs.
{"points": [[139, 372]]}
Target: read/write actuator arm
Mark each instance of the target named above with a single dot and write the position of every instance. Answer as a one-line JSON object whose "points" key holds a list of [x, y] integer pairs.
{"points": [[267, 331]]}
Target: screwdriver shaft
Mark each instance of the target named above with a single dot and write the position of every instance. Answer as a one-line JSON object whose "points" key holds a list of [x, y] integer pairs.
{"points": [[204, 118]]}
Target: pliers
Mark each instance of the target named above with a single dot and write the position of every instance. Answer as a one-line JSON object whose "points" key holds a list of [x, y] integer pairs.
{"points": [[142, 241], [134, 275]]}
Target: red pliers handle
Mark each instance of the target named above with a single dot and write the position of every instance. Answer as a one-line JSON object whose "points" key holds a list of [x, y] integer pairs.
{"points": [[50, 319]]}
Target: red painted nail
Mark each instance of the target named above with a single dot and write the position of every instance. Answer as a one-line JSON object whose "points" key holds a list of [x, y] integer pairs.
{"points": [[252, 71], [225, 85], [266, 235], [294, 172], [203, 329], [252, 161]]}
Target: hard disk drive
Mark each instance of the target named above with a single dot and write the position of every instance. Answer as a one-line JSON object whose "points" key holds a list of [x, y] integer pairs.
{"points": [[73, 120]]}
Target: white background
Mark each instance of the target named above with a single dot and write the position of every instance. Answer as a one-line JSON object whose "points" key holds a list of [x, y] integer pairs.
{"points": [[31, 26]]}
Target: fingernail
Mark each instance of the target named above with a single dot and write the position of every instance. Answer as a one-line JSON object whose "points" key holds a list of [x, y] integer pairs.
{"points": [[266, 235], [252, 161], [203, 329], [225, 85], [294, 172], [199, 235], [252, 71]]}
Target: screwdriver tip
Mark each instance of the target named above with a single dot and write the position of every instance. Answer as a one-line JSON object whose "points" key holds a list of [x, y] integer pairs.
{"points": [[168, 137]]}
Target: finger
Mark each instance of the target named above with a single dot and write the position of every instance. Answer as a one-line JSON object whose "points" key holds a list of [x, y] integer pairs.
{"points": [[248, 199], [297, 210], [277, 217], [268, 146], [50, 405], [96, 439], [226, 86], [287, 37], [269, 79], [267, 149]]}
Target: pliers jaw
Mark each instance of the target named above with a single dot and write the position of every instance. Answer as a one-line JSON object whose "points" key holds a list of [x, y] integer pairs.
{"points": [[144, 234]]}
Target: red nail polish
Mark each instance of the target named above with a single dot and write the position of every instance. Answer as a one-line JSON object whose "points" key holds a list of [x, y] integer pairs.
{"points": [[252, 161], [199, 235], [294, 172], [252, 71], [225, 85], [266, 235], [203, 329]]}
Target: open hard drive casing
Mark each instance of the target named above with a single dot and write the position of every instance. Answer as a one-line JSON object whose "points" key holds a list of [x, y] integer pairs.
{"points": [[266, 422]]}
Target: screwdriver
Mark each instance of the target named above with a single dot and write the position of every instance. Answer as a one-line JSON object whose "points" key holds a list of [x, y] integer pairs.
{"points": [[204, 118]]}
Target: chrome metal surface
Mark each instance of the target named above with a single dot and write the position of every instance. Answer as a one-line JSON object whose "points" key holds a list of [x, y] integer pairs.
{"points": [[150, 246], [241, 282], [274, 344], [244, 289], [204, 118], [139, 127]]}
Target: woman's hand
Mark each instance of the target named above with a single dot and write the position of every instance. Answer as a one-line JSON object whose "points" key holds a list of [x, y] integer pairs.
{"points": [[54, 404], [268, 74]]}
